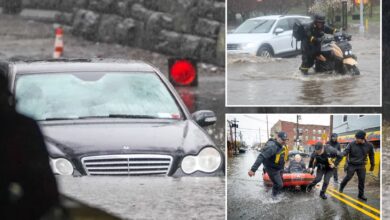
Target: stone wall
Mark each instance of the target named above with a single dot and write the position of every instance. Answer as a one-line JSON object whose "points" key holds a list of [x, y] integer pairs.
{"points": [[184, 28]]}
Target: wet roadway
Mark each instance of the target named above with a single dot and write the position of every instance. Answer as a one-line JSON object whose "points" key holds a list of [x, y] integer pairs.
{"points": [[132, 198], [248, 198], [255, 80]]}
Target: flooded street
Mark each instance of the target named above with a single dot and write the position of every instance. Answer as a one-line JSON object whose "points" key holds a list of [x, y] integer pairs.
{"points": [[151, 197], [248, 198], [277, 81], [138, 197], [28, 39]]}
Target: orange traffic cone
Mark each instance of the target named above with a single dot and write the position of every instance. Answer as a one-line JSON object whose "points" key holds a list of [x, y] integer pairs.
{"points": [[59, 43]]}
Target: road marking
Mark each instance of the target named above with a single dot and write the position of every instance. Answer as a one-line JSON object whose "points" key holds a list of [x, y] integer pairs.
{"points": [[354, 200], [354, 206]]}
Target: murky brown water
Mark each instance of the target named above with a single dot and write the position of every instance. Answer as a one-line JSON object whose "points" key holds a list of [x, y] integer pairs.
{"points": [[257, 81]]}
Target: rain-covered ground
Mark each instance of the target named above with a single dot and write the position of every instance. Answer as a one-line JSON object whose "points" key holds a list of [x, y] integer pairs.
{"points": [[255, 80], [248, 198], [132, 198]]}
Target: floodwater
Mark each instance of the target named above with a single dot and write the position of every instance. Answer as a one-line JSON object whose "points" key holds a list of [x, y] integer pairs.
{"points": [[150, 197], [20, 38], [277, 81], [249, 198]]}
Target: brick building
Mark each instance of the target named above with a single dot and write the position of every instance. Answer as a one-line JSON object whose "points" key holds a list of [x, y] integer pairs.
{"points": [[309, 133]]}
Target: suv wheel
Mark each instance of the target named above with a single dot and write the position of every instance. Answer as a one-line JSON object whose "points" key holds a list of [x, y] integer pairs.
{"points": [[265, 51]]}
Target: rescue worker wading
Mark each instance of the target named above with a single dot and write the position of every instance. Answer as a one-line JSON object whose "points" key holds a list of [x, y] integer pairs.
{"points": [[311, 42], [322, 159], [356, 153], [273, 157], [336, 145]]}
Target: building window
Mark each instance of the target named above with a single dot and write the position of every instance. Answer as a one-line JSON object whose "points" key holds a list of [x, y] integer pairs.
{"points": [[345, 118], [306, 138], [319, 131], [314, 131]]}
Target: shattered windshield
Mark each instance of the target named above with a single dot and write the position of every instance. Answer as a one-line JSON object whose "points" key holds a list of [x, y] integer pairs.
{"points": [[89, 95]]}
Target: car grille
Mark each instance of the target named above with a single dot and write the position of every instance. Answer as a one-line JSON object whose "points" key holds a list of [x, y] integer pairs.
{"points": [[127, 165], [233, 46]]}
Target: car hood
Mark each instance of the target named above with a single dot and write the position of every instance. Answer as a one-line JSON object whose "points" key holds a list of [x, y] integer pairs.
{"points": [[113, 137], [246, 38]]}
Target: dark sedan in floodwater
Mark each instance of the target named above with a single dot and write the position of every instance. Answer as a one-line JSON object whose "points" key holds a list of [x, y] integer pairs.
{"points": [[105, 117]]}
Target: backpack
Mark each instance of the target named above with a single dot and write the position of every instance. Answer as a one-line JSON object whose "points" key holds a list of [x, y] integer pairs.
{"points": [[298, 30]]}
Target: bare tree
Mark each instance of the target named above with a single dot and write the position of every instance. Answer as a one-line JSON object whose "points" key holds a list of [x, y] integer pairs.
{"points": [[277, 6], [12, 6], [244, 7]]}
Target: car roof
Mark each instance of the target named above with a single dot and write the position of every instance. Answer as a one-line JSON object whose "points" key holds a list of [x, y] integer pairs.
{"points": [[79, 65], [278, 17]]}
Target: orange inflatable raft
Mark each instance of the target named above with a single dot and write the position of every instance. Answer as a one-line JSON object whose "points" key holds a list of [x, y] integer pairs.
{"points": [[292, 179]]}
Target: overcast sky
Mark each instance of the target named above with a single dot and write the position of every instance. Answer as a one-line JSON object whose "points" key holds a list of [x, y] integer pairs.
{"points": [[249, 124]]}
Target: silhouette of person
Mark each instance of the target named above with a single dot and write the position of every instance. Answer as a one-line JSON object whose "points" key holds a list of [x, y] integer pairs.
{"points": [[28, 189]]}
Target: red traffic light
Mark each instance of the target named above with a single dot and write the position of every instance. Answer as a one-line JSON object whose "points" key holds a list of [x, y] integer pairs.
{"points": [[183, 72]]}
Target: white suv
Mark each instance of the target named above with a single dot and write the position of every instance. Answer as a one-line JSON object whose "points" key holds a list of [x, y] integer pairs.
{"points": [[266, 36]]}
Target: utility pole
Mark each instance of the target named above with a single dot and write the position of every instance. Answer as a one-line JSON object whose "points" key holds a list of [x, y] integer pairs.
{"points": [[267, 128], [361, 27], [231, 135], [260, 136], [297, 139], [331, 125], [235, 126]]}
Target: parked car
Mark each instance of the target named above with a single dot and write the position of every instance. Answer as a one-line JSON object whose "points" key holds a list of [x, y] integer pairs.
{"points": [[266, 36], [106, 117]]}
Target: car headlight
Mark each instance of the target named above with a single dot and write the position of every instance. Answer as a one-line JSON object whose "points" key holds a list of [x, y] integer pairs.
{"points": [[248, 45], [208, 160], [61, 166]]}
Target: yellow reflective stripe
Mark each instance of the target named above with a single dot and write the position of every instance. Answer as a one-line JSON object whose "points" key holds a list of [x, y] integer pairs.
{"points": [[330, 161], [354, 206], [311, 39], [277, 158], [354, 200], [334, 30], [285, 153]]}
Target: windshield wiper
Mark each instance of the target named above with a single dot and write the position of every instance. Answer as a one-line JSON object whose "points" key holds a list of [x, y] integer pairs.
{"points": [[256, 27], [56, 119], [119, 116], [131, 116]]}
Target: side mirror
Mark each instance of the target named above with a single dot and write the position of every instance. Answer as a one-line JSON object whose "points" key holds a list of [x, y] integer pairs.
{"points": [[204, 117], [278, 31]]}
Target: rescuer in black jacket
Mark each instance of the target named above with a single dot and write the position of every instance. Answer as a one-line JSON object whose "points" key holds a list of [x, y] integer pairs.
{"points": [[273, 157], [28, 188], [311, 42], [336, 145], [356, 153], [322, 159]]}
